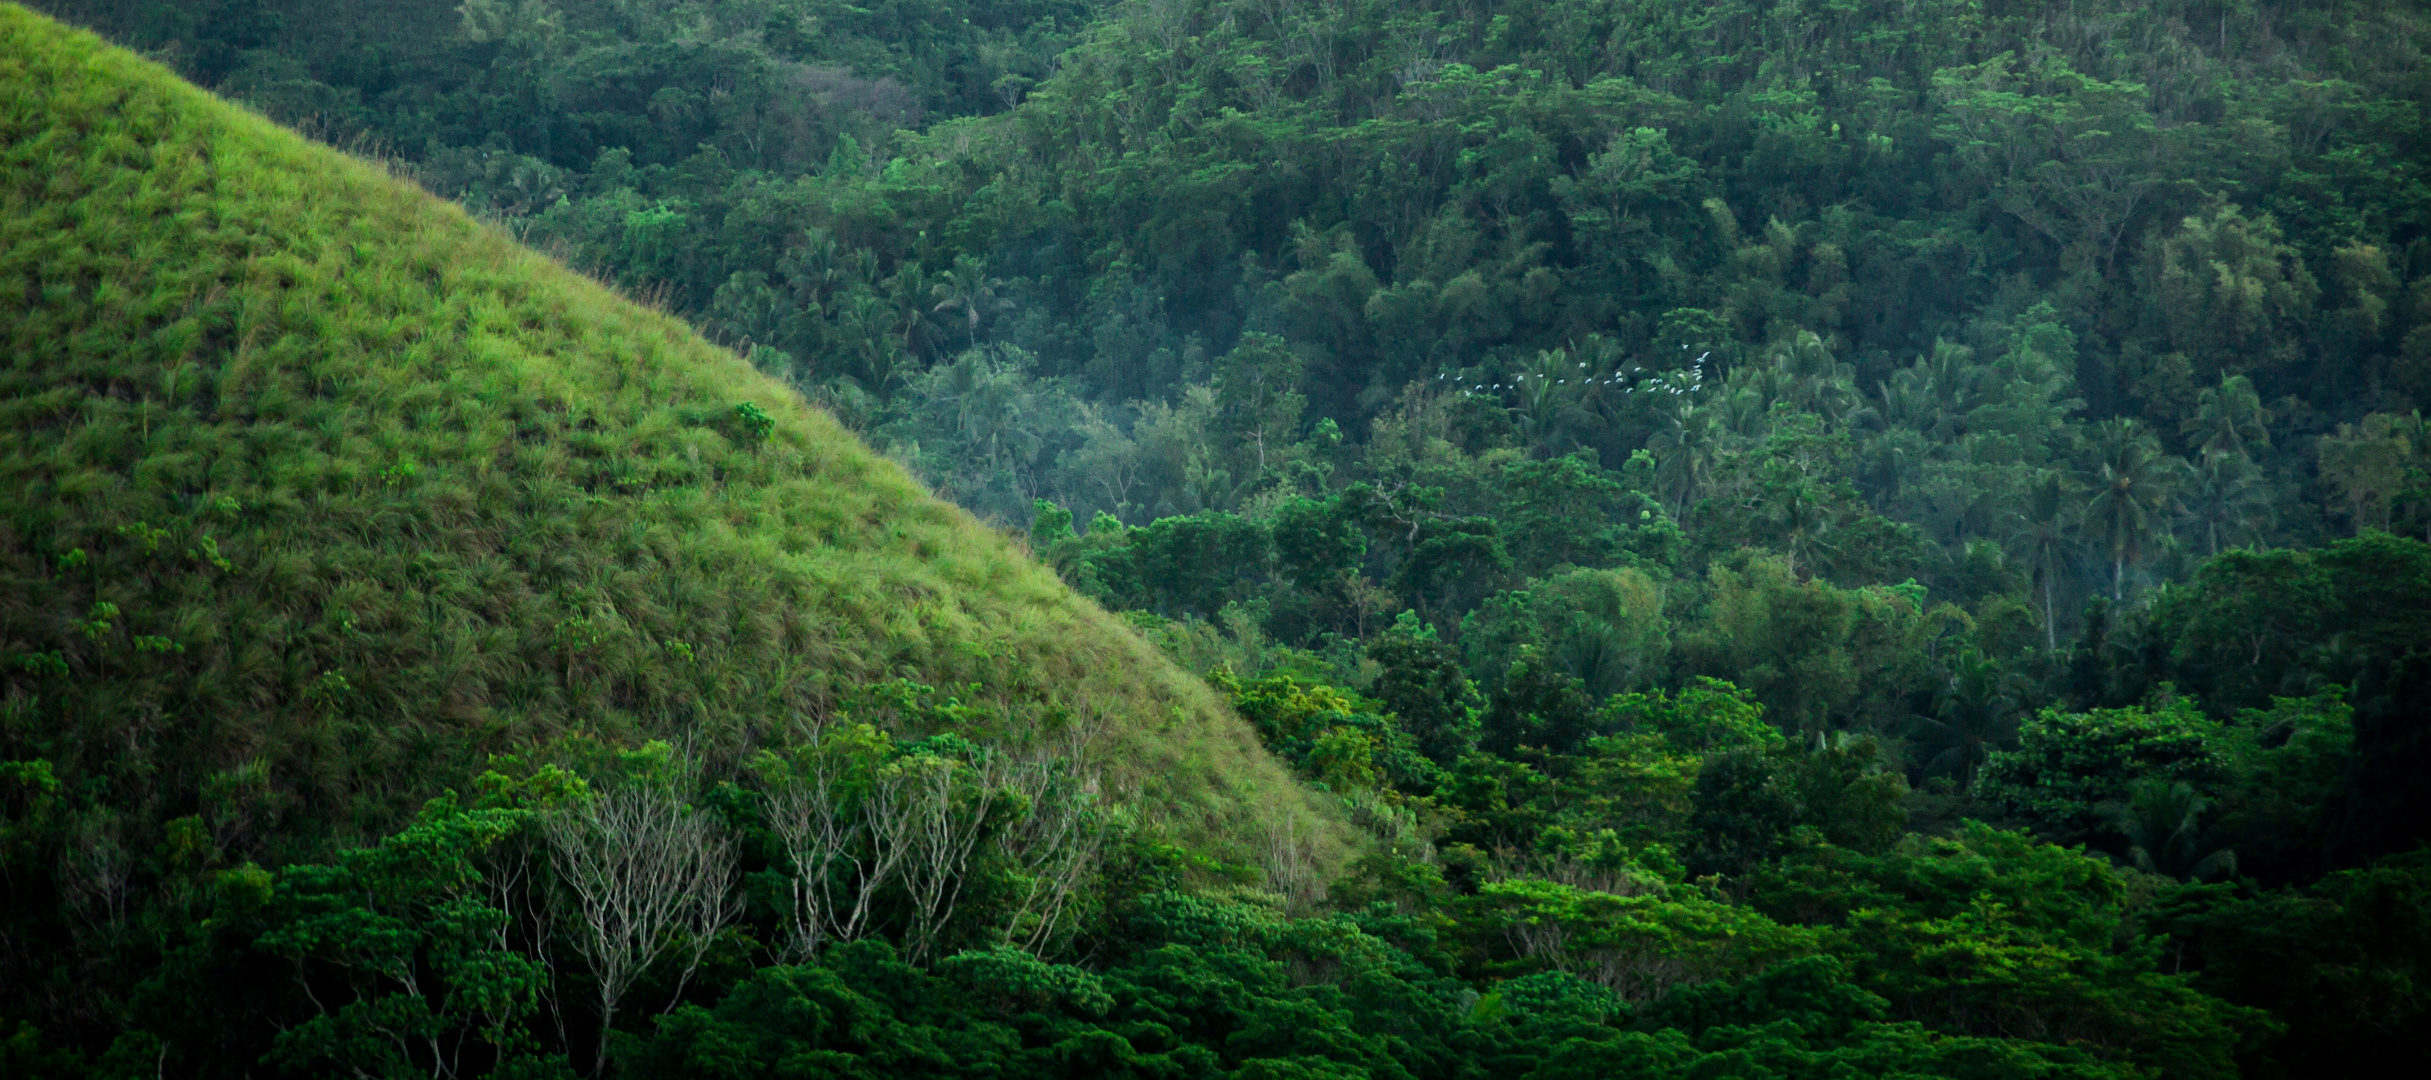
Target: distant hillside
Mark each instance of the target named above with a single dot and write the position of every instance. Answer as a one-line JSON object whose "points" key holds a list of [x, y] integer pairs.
{"points": [[315, 493]]}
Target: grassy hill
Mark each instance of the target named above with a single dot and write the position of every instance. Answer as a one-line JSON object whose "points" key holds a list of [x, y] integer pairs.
{"points": [[315, 492]]}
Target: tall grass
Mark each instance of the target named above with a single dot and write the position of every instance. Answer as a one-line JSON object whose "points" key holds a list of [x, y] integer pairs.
{"points": [[314, 492]]}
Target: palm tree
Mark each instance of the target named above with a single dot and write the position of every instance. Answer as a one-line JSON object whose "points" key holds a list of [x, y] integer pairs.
{"points": [[909, 320], [2225, 499], [2045, 538], [2134, 488], [1544, 389], [867, 325], [2161, 820], [1886, 461], [1812, 378], [991, 406], [1975, 714], [1934, 395], [967, 288], [2228, 418], [1803, 515], [1684, 450]]}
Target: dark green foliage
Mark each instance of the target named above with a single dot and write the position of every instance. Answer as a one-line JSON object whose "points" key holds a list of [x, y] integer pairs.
{"points": [[1749, 801], [2068, 764], [1318, 542], [315, 494], [1538, 706], [2388, 808], [1607, 448], [2337, 963], [1184, 566], [1203, 991], [1743, 816], [1424, 686], [1451, 565], [1567, 512], [2257, 624]]}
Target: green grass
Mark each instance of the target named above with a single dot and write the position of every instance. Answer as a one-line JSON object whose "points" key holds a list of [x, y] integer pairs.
{"points": [[315, 492]]}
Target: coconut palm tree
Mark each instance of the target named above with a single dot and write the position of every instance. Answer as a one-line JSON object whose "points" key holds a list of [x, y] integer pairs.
{"points": [[1887, 461], [1975, 713], [1803, 514], [865, 322], [2225, 499], [1812, 378], [968, 289], [1684, 449], [2046, 538], [907, 291], [2229, 418], [2161, 820], [2135, 493]]}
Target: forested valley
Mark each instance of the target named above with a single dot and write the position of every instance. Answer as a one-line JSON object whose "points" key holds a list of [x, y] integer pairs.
{"points": [[1811, 539]]}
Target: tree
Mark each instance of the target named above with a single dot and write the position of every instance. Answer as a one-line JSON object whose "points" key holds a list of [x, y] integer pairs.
{"points": [[2134, 492], [1975, 713], [2070, 155], [966, 288], [822, 798], [1604, 627], [1425, 687], [2068, 767], [1257, 388], [1451, 566], [2378, 465], [2229, 419], [943, 808], [1055, 828], [2045, 538], [2162, 821], [2227, 291], [1685, 446], [648, 876], [435, 984], [2225, 499], [1567, 511]]}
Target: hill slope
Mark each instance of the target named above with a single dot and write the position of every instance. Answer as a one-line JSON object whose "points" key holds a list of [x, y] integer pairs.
{"points": [[314, 492]]}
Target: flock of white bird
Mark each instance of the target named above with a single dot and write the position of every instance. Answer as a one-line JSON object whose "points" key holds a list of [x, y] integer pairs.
{"points": [[1696, 380]]}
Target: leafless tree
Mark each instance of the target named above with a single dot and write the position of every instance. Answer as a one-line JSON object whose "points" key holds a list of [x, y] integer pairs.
{"points": [[649, 876], [1291, 861], [945, 811], [844, 845], [513, 875], [1052, 847]]}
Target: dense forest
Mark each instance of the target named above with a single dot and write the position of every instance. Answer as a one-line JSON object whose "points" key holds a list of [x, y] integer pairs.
{"points": [[1817, 538]]}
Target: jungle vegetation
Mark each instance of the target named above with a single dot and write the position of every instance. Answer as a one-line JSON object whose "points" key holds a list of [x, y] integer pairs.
{"points": [[1537, 538]]}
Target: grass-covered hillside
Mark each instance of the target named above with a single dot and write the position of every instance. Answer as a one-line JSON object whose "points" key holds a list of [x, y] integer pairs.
{"points": [[315, 494]]}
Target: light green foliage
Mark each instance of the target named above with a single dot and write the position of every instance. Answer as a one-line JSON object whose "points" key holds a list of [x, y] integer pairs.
{"points": [[1707, 716], [1603, 627], [445, 494], [1993, 932], [1817, 655], [1334, 738], [1605, 448], [414, 925], [1637, 946], [2068, 764]]}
